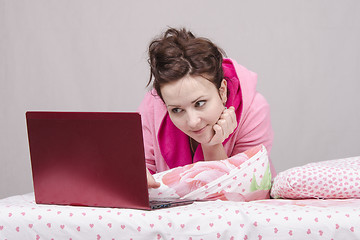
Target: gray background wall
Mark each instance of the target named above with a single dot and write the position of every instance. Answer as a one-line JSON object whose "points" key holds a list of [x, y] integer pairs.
{"points": [[91, 56]]}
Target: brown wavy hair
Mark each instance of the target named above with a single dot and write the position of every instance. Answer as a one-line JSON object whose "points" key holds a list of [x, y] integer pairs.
{"points": [[178, 53]]}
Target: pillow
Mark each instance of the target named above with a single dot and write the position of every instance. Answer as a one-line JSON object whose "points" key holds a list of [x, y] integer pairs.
{"points": [[338, 178], [243, 177]]}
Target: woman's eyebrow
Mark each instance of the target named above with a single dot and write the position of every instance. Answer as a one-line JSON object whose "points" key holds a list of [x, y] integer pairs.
{"points": [[171, 105], [197, 99], [192, 102]]}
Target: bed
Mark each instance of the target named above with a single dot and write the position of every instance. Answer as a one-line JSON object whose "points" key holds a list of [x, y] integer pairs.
{"points": [[22, 218], [314, 201]]}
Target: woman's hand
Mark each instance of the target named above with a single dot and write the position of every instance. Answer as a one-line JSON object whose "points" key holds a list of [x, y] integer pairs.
{"points": [[151, 180], [224, 126]]}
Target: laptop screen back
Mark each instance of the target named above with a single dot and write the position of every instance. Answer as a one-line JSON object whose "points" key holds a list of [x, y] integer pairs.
{"points": [[88, 159]]}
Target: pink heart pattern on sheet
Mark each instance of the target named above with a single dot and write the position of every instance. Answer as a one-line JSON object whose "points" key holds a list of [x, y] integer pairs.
{"points": [[263, 219]]}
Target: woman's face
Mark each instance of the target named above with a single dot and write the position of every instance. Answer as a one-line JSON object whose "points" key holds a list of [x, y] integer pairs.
{"points": [[195, 105]]}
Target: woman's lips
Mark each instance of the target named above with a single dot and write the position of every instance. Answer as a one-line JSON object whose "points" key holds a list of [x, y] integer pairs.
{"points": [[200, 130]]}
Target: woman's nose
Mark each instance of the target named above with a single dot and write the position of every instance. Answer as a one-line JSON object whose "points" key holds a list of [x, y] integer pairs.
{"points": [[193, 119]]}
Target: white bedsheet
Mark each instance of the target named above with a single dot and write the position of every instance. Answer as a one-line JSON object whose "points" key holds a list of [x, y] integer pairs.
{"points": [[21, 218]]}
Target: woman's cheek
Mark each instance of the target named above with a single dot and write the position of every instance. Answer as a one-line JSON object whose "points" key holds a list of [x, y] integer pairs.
{"points": [[178, 123]]}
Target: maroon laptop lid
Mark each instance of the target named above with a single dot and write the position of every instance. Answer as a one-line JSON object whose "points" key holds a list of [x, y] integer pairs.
{"points": [[88, 159]]}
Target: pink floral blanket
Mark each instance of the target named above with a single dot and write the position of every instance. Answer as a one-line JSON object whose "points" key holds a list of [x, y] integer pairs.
{"points": [[243, 177]]}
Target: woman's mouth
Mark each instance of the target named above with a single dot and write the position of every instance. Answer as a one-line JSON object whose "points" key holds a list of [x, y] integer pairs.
{"points": [[199, 131]]}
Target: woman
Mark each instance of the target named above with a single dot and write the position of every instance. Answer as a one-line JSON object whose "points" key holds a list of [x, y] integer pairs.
{"points": [[202, 107]]}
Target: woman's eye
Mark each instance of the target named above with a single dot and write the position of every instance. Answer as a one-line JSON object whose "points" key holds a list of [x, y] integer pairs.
{"points": [[176, 110], [200, 103]]}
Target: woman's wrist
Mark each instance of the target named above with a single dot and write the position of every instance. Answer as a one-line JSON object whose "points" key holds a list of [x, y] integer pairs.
{"points": [[214, 152]]}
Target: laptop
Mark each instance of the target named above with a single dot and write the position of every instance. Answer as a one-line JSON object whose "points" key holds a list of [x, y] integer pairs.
{"points": [[89, 159]]}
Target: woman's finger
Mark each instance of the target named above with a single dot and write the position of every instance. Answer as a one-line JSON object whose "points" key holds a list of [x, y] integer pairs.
{"points": [[151, 180], [218, 136]]}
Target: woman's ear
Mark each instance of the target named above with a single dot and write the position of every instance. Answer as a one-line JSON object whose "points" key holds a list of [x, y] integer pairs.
{"points": [[223, 91]]}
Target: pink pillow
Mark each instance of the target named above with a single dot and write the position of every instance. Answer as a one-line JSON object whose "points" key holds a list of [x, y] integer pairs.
{"points": [[243, 177], [327, 179]]}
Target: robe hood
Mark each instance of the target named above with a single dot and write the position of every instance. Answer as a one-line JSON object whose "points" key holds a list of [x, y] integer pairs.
{"points": [[241, 89]]}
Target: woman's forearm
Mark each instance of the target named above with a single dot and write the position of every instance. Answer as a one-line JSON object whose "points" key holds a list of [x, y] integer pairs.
{"points": [[214, 152]]}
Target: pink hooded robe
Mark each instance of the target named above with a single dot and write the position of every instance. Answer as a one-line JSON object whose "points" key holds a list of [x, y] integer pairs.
{"points": [[168, 147]]}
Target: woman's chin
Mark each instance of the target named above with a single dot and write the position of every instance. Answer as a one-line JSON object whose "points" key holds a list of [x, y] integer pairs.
{"points": [[205, 139]]}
